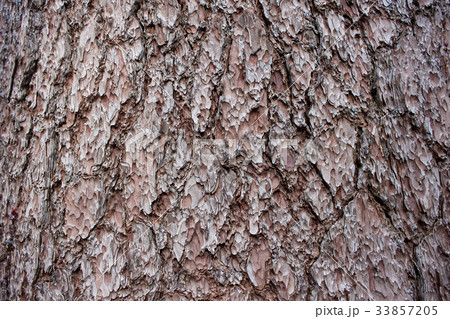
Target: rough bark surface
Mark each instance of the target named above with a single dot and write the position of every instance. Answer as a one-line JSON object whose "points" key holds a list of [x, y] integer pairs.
{"points": [[235, 150]]}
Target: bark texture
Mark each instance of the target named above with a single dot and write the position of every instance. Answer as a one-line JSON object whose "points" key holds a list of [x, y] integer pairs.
{"points": [[236, 150]]}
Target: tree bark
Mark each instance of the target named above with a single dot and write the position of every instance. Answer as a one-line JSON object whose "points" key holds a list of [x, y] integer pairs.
{"points": [[232, 150]]}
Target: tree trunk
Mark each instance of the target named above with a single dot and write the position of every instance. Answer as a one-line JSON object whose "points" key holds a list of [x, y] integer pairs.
{"points": [[233, 150]]}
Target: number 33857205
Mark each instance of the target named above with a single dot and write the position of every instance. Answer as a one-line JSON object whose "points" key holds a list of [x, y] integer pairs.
{"points": [[406, 310]]}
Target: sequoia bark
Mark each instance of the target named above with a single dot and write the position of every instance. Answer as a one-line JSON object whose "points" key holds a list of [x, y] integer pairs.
{"points": [[235, 150]]}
